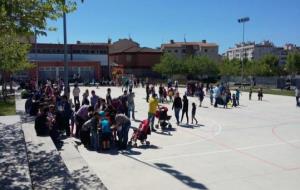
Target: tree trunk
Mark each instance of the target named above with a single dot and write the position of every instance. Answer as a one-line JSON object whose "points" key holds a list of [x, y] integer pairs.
{"points": [[4, 92]]}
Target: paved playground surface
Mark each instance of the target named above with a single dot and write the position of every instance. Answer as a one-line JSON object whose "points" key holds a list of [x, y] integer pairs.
{"points": [[254, 146]]}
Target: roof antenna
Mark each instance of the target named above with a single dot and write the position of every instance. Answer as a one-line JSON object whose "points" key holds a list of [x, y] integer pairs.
{"points": [[129, 36], [184, 38]]}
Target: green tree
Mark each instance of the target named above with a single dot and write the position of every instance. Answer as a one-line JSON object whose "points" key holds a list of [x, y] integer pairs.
{"points": [[27, 16], [169, 65], [271, 62], [201, 66], [230, 67], [293, 63], [13, 57]]}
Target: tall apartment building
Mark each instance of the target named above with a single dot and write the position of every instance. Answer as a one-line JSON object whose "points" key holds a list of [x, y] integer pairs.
{"points": [[253, 51], [183, 49], [250, 50]]}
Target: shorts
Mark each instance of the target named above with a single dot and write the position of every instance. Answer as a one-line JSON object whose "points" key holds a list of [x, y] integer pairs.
{"points": [[106, 136]]}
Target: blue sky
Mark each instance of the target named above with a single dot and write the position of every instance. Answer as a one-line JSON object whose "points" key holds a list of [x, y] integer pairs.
{"points": [[152, 22]]}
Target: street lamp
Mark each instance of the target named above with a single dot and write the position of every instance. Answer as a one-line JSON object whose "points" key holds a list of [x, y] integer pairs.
{"points": [[243, 21], [66, 73]]}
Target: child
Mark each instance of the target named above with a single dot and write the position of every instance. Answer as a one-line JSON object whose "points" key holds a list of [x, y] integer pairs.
{"points": [[105, 130], [194, 113], [171, 94]]}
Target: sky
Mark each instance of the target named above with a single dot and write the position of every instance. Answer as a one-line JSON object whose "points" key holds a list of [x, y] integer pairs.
{"points": [[153, 22]]}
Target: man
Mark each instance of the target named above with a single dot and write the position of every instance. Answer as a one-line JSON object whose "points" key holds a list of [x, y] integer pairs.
{"points": [[153, 105], [131, 103], [123, 125], [177, 106], [76, 92], [90, 127], [124, 100], [108, 97], [94, 98], [81, 116]]}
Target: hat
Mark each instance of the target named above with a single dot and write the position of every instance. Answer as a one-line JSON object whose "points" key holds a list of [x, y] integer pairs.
{"points": [[102, 113]]}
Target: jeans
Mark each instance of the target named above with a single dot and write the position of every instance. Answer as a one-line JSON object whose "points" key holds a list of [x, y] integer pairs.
{"points": [[177, 110], [76, 100], [151, 117], [131, 109], [94, 140], [123, 135]]}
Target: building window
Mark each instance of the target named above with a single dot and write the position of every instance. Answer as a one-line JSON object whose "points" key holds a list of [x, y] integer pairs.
{"points": [[128, 58], [183, 51], [175, 50], [205, 50]]}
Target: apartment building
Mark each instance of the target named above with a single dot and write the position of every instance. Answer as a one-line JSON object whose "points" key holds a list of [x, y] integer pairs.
{"points": [[183, 49]]}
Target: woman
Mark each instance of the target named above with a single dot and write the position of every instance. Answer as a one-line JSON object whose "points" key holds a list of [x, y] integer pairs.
{"points": [[177, 105], [185, 108]]}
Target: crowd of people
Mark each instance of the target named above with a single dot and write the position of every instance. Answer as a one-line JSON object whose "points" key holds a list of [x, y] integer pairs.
{"points": [[99, 122], [103, 122]]}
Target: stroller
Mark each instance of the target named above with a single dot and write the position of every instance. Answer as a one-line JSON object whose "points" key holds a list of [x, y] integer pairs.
{"points": [[141, 133], [163, 118]]}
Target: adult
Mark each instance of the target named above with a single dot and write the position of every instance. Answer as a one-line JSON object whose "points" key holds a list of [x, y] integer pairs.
{"points": [[201, 96], [85, 100], [161, 93], [76, 92], [124, 102], [153, 105], [108, 97], [67, 113], [147, 92], [94, 98], [260, 94], [185, 108], [123, 125], [297, 94], [131, 107], [41, 123], [89, 132], [81, 116], [177, 106]]}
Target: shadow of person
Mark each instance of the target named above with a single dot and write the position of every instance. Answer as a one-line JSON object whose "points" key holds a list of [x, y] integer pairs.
{"points": [[180, 176]]}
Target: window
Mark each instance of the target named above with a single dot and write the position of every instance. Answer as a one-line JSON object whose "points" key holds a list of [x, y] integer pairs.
{"points": [[175, 50], [205, 50], [128, 58], [183, 51]]}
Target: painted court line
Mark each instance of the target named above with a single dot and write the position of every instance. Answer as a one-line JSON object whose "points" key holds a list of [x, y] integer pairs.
{"points": [[216, 133], [221, 151]]}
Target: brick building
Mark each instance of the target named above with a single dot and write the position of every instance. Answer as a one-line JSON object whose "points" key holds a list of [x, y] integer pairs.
{"points": [[135, 60], [88, 60]]}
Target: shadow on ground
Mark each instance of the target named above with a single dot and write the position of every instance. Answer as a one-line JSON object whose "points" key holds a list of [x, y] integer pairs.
{"points": [[180, 176]]}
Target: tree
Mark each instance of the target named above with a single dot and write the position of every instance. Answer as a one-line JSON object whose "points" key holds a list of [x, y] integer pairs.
{"points": [[169, 65], [28, 16], [23, 18], [230, 67], [271, 62], [293, 63], [13, 57], [201, 66]]}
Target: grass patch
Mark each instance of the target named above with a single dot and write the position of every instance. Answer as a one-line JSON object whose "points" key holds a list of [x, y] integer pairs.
{"points": [[8, 107], [273, 91]]}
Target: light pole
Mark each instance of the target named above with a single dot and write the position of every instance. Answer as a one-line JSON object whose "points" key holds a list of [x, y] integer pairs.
{"points": [[243, 21], [66, 77]]}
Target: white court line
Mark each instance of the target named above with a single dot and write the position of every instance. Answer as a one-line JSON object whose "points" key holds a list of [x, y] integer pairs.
{"points": [[197, 141], [220, 151]]}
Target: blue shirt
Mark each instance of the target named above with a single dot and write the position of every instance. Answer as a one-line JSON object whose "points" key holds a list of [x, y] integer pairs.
{"points": [[105, 126]]}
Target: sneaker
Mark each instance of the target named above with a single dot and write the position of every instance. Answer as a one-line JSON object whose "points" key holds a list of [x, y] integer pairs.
{"points": [[154, 130]]}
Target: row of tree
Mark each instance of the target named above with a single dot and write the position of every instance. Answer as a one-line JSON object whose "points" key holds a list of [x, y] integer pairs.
{"points": [[201, 66]]}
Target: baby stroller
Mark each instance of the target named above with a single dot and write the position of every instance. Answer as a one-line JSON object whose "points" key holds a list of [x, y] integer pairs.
{"points": [[163, 118], [140, 134]]}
